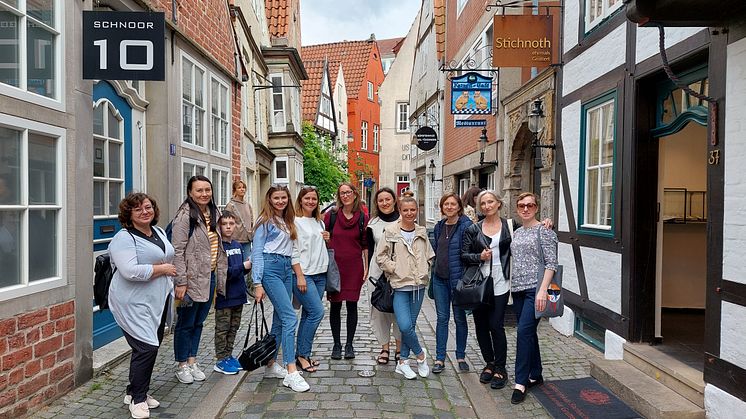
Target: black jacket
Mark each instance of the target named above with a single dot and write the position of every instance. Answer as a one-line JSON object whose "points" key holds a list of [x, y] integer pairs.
{"points": [[475, 241]]}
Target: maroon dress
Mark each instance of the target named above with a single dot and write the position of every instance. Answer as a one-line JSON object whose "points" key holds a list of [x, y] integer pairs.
{"points": [[348, 250]]}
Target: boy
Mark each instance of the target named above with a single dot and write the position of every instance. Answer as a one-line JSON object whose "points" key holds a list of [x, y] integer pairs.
{"points": [[228, 309]]}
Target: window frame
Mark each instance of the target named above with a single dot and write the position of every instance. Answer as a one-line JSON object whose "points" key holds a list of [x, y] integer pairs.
{"points": [[595, 104], [371, 91], [195, 163], [107, 179], [376, 136], [220, 191], [27, 126], [205, 101], [282, 180], [364, 135], [606, 13], [221, 84], [400, 120], [273, 111]]}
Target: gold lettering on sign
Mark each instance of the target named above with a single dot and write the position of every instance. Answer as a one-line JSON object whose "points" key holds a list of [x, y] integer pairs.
{"points": [[522, 43], [714, 158]]}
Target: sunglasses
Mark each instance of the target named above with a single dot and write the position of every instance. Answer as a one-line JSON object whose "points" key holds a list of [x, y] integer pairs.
{"points": [[530, 205], [279, 186], [309, 188]]}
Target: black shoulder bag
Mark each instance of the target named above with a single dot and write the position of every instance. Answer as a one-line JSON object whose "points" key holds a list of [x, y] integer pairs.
{"points": [[382, 297], [263, 350], [474, 290]]}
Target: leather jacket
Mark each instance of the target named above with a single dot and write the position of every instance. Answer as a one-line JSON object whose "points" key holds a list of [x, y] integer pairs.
{"points": [[475, 241]]}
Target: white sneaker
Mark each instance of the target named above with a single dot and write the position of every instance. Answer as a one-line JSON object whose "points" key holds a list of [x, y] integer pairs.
{"points": [[296, 382], [275, 371], [140, 410], [404, 369], [197, 373], [422, 367], [152, 403], [184, 375]]}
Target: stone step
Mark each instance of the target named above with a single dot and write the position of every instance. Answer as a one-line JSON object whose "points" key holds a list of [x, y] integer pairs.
{"points": [[674, 374], [647, 396]]}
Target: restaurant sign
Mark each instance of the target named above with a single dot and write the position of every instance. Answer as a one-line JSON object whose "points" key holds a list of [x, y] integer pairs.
{"points": [[522, 41], [471, 94]]}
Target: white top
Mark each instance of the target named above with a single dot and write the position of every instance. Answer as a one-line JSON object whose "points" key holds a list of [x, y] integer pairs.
{"points": [[376, 225], [408, 236], [279, 242], [310, 250], [500, 284]]}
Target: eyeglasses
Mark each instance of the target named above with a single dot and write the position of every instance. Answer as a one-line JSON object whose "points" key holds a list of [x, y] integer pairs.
{"points": [[346, 193], [530, 205], [140, 210]]}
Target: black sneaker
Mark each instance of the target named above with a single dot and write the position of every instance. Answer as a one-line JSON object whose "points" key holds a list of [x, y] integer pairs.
{"points": [[486, 375], [499, 379], [349, 351], [337, 351]]}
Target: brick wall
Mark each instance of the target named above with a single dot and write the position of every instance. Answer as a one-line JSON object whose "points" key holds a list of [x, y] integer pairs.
{"points": [[36, 358]]}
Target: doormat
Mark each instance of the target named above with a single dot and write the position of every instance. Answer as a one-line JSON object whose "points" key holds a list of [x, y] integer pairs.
{"points": [[581, 398]]}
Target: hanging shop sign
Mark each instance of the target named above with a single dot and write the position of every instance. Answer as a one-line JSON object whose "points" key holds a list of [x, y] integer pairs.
{"points": [[470, 123], [426, 137], [522, 41], [123, 45], [471, 94]]}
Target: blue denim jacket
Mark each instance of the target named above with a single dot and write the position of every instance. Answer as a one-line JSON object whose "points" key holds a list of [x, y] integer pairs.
{"points": [[268, 238]]}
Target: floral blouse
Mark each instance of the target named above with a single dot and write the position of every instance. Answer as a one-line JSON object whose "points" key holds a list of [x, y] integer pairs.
{"points": [[527, 268]]}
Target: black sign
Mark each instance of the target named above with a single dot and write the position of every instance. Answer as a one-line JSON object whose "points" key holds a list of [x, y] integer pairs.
{"points": [[123, 45], [427, 138]]}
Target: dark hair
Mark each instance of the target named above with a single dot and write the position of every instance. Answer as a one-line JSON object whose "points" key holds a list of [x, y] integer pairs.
{"points": [[227, 214], [355, 203], [386, 189], [458, 201], [316, 213], [470, 195], [525, 195], [194, 212], [132, 201]]}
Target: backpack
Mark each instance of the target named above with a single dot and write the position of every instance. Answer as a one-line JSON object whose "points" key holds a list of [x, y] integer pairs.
{"points": [[361, 225], [102, 275], [170, 229]]}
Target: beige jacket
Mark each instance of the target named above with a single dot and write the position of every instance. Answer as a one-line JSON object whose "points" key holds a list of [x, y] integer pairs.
{"points": [[245, 222], [410, 264], [192, 257]]}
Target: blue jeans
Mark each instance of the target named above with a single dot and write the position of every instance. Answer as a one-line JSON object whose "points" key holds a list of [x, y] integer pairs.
{"points": [[312, 312], [407, 306], [443, 303], [188, 329], [527, 354], [278, 283]]}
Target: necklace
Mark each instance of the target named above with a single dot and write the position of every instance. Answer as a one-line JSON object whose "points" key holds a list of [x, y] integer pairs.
{"points": [[449, 231]]}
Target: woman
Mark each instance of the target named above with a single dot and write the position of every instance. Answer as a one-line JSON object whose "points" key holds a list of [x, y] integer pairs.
{"points": [[139, 292], [405, 255], [272, 275], [487, 243], [310, 252], [469, 200], [528, 269], [245, 222], [386, 212], [447, 271], [201, 267], [346, 223]]}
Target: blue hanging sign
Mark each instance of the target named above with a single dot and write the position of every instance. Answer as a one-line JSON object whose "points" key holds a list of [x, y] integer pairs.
{"points": [[471, 94]]}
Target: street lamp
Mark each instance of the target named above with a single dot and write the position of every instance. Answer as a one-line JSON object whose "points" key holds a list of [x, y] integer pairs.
{"points": [[483, 147], [536, 126], [432, 172]]}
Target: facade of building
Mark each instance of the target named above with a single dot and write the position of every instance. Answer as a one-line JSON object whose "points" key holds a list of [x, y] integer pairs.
{"points": [[389, 49], [318, 97]]}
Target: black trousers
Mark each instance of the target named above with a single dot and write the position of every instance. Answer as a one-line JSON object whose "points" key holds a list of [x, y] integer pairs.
{"points": [[335, 320], [142, 362], [489, 323]]}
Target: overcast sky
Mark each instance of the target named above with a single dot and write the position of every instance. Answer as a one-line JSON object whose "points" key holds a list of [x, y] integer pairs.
{"points": [[324, 21]]}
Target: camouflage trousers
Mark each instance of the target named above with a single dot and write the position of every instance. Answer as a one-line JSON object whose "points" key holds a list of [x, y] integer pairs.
{"points": [[227, 322]]}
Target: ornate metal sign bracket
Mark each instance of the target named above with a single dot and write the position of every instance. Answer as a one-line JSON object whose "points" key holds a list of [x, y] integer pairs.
{"points": [[455, 68]]}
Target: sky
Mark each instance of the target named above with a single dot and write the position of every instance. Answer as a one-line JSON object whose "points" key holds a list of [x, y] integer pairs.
{"points": [[324, 21]]}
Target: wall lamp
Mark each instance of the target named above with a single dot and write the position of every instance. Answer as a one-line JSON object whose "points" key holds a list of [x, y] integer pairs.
{"points": [[483, 147], [432, 172], [536, 123]]}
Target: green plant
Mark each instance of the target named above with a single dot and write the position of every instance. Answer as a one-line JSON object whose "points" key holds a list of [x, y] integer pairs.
{"points": [[324, 165]]}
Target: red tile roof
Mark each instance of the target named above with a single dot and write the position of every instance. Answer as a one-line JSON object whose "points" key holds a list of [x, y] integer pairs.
{"points": [[278, 16], [311, 89], [389, 46], [353, 55]]}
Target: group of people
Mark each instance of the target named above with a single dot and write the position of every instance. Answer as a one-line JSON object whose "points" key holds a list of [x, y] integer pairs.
{"points": [[204, 254]]}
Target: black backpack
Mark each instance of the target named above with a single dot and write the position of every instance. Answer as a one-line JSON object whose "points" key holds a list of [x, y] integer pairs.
{"points": [[170, 229], [103, 273]]}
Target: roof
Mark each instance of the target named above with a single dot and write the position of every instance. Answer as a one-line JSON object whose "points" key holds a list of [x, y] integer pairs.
{"points": [[353, 55], [311, 89], [389, 46], [278, 16]]}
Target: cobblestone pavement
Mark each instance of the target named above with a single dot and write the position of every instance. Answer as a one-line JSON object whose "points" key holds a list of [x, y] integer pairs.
{"points": [[336, 388]]}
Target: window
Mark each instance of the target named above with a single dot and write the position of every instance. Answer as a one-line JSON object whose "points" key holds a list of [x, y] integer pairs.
{"points": [[191, 168], [376, 129], [326, 106], [278, 104], [339, 97], [598, 10], [402, 117], [364, 137], [402, 179], [220, 110], [463, 185], [597, 156], [30, 46], [221, 188], [370, 90], [460, 4], [299, 175], [32, 222], [108, 159], [281, 170], [259, 115], [192, 103]]}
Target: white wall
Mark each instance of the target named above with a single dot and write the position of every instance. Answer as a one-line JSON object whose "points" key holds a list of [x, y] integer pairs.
{"points": [[572, 19], [732, 332], [604, 56], [721, 405], [603, 275], [648, 43]]}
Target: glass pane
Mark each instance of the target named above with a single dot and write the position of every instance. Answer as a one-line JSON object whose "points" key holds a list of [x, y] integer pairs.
{"points": [[276, 83], [98, 119], [42, 10], [224, 138], [99, 164], [606, 185], [215, 95], [214, 133], [115, 195], [9, 60], [40, 58], [42, 170], [115, 160], [224, 188], [99, 197], [10, 248], [198, 90], [277, 102], [607, 152], [10, 171], [113, 122], [593, 137], [42, 244], [186, 80], [591, 209], [669, 112], [223, 102], [187, 173], [199, 170], [186, 125], [199, 135], [281, 167]]}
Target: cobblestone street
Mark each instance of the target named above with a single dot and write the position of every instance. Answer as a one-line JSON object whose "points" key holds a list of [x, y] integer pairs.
{"points": [[336, 388]]}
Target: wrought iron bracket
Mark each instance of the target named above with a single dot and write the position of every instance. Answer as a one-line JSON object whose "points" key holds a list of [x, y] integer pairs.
{"points": [[471, 64], [515, 4]]}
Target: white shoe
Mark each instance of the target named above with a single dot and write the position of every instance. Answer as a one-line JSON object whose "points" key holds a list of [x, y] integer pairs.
{"points": [[197, 373], [140, 410], [152, 403], [275, 371], [295, 382], [422, 368], [404, 369], [184, 375]]}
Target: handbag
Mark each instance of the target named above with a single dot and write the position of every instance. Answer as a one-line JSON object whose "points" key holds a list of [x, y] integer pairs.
{"points": [[474, 290], [333, 278], [263, 350], [382, 297], [555, 301]]}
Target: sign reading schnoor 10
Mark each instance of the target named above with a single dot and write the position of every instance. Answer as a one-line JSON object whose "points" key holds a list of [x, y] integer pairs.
{"points": [[522, 41], [471, 94]]}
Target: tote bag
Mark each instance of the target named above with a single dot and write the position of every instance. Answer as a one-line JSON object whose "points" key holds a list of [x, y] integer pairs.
{"points": [[555, 301], [263, 350], [333, 280], [474, 290]]}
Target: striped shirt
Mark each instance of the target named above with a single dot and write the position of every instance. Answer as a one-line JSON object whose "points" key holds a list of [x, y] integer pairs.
{"points": [[214, 242]]}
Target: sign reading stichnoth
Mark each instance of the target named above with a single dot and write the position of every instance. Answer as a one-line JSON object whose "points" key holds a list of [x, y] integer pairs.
{"points": [[522, 41], [123, 45]]}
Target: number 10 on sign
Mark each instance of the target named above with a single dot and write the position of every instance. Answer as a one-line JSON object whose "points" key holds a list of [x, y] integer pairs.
{"points": [[124, 45]]}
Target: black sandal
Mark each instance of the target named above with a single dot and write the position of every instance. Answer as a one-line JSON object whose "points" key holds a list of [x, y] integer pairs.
{"points": [[397, 356], [309, 368], [486, 375], [383, 359]]}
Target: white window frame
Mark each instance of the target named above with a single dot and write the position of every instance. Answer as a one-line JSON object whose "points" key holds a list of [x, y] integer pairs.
{"points": [[282, 180], [402, 117], [221, 188], [460, 4], [299, 174], [25, 126], [205, 102], [370, 91], [21, 91], [606, 11], [107, 179], [277, 125], [225, 141], [364, 135], [600, 166], [259, 115], [402, 178], [463, 185], [376, 135], [195, 164]]}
